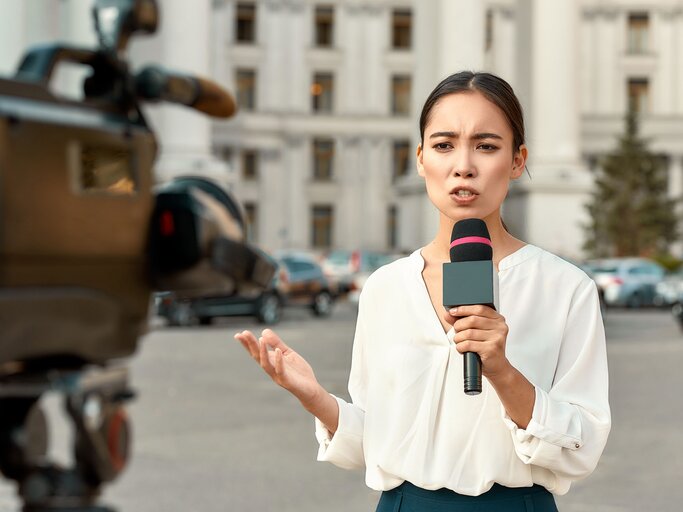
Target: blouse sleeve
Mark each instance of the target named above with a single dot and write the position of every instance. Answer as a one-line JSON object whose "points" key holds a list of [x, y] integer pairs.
{"points": [[345, 447], [571, 421]]}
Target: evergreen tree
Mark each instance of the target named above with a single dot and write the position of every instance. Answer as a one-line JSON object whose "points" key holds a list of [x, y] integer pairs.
{"points": [[630, 211]]}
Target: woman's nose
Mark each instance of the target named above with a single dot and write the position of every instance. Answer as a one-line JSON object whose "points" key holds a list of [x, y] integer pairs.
{"points": [[463, 166]]}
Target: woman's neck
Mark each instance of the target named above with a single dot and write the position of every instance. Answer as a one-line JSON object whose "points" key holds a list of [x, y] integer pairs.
{"points": [[504, 244]]}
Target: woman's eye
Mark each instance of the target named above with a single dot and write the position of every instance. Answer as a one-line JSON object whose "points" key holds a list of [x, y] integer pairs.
{"points": [[442, 145], [487, 147]]}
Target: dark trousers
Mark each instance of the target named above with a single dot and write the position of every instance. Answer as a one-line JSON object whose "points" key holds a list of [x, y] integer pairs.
{"points": [[409, 498]]}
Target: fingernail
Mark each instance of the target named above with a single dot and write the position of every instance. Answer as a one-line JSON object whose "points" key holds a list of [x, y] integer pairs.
{"points": [[453, 311]]}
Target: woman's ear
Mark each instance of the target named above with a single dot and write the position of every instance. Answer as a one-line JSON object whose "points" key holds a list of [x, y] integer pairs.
{"points": [[418, 161], [519, 162]]}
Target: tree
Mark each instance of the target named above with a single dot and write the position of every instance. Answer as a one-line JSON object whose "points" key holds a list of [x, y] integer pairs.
{"points": [[630, 211]]}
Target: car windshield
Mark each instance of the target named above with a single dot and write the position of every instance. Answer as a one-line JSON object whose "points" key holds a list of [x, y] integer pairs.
{"points": [[605, 269], [339, 257]]}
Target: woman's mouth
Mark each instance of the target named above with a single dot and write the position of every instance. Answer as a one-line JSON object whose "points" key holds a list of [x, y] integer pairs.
{"points": [[463, 195]]}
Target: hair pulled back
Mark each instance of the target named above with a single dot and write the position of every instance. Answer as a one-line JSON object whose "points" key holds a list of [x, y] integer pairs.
{"points": [[494, 88]]}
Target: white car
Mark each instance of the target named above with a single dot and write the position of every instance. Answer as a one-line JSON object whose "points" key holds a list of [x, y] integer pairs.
{"points": [[629, 282]]}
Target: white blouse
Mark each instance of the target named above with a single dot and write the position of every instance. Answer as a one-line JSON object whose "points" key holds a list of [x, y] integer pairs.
{"points": [[410, 419]]}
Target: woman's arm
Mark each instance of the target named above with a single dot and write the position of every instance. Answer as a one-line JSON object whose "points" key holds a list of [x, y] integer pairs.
{"points": [[563, 428], [292, 372], [483, 330]]}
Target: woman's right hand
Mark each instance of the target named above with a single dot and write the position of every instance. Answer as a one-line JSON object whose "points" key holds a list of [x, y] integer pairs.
{"points": [[282, 364]]}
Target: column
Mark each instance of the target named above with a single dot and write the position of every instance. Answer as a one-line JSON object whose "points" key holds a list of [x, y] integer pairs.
{"points": [[12, 35], [296, 160], [347, 215], [504, 44], [664, 86], [448, 37], [610, 87], [678, 87], [274, 202], [182, 43], [560, 181], [271, 73]]}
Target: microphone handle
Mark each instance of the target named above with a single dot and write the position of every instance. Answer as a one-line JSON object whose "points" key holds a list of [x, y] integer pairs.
{"points": [[472, 373]]}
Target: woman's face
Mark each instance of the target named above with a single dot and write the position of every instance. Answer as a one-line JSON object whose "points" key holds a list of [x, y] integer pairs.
{"points": [[466, 158]]}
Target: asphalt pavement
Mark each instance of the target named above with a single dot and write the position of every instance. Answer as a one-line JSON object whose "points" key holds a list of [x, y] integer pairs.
{"points": [[212, 433]]}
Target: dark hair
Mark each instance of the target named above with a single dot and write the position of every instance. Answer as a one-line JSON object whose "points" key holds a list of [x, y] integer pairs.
{"points": [[494, 89]]}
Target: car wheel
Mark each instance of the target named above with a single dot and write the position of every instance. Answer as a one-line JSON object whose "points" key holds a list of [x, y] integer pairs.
{"points": [[634, 301], [183, 315], [269, 309], [322, 304], [677, 311]]}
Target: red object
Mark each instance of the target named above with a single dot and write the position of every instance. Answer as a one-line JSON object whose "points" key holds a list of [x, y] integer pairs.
{"points": [[471, 240], [166, 223], [617, 280], [117, 439], [355, 261]]}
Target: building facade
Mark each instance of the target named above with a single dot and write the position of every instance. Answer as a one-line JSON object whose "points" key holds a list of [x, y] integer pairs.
{"points": [[321, 153]]}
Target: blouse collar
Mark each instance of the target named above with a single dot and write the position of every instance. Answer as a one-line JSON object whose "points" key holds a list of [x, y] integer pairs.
{"points": [[520, 255]]}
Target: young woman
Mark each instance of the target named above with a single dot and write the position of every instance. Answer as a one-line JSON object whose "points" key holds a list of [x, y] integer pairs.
{"points": [[542, 419]]}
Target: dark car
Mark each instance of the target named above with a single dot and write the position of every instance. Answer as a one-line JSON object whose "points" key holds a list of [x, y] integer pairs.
{"points": [[299, 281]]}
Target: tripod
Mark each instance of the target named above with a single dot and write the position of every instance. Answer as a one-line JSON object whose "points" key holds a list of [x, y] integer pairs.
{"points": [[93, 399]]}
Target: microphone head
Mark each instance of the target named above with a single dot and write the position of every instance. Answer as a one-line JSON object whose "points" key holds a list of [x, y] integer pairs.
{"points": [[470, 241]]}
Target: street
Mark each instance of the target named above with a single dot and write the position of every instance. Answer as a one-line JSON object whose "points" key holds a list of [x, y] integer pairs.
{"points": [[212, 433]]}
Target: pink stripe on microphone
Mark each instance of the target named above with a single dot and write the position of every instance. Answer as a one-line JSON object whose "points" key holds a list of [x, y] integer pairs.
{"points": [[470, 240]]}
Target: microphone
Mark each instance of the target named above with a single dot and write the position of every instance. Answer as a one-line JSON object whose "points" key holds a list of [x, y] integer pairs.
{"points": [[469, 279], [154, 83]]}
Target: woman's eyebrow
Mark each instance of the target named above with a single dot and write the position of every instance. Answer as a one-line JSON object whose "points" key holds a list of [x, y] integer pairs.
{"points": [[476, 136]]}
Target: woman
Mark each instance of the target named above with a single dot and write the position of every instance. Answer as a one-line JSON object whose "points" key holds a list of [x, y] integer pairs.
{"points": [[542, 418]]}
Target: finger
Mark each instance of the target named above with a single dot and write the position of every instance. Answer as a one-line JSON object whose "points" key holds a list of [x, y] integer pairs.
{"points": [[449, 318], [274, 340], [475, 322], [264, 358], [249, 342], [279, 362], [476, 309], [478, 335], [468, 346]]}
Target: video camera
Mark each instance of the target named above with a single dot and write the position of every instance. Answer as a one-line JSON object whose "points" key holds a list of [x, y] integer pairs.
{"points": [[84, 239]]}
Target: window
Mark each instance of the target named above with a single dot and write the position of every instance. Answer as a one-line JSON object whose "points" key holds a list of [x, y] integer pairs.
{"points": [[401, 24], [322, 90], [245, 26], [639, 95], [638, 32], [323, 156], [392, 227], [251, 222], [400, 95], [324, 26], [249, 165], [322, 226], [246, 89], [400, 158]]}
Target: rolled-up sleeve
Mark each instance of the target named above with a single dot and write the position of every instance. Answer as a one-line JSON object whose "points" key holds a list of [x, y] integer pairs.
{"points": [[571, 421], [345, 447]]}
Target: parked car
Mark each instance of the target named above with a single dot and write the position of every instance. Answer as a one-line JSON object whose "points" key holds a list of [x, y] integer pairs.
{"points": [[669, 290], [343, 266], [360, 278], [629, 282], [298, 281]]}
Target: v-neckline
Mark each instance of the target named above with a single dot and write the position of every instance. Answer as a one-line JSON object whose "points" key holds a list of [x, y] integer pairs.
{"points": [[430, 303], [425, 288]]}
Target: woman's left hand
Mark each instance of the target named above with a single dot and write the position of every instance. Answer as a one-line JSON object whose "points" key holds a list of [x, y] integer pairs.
{"points": [[483, 330]]}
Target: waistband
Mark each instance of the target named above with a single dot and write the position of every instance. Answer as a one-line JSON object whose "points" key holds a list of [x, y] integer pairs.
{"points": [[497, 492]]}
